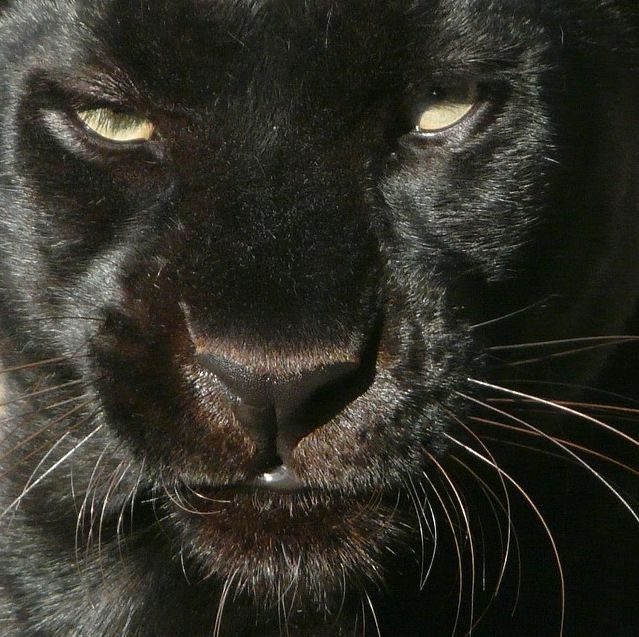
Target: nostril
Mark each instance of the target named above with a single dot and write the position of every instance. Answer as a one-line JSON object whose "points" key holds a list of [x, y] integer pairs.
{"points": [[278, 411], [243, 383]]}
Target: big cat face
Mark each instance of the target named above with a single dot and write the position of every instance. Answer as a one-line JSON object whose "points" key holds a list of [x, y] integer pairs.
{"points": [[280, 281]]}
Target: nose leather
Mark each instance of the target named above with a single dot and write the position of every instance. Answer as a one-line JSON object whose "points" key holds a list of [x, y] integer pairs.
{"points": [[278, 412]]}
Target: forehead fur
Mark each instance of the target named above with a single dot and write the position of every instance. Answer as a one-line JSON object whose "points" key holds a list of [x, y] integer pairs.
{"points": [[187, 52]]}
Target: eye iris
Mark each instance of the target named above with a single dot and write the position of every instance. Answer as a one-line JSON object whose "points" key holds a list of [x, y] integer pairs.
{"points": [[442, 116], [446, 111], [117, 127]]}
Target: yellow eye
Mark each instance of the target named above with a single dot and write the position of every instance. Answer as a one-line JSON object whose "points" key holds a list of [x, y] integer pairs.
{"points": [[446, 109], [117, 127]]}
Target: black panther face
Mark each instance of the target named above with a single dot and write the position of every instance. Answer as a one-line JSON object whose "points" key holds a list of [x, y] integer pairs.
{"points": [[272, 273]]}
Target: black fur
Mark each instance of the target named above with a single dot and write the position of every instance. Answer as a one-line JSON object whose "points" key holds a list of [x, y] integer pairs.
{"points": [[287, 217]]}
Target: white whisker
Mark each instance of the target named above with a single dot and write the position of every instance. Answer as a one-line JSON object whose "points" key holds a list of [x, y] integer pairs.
{"points": [[464, 513], [222, 603], [80, 519], [420, 514], [605, 340], [505, 547], [537, 512], [458, 552], [568, 443], [117, 477], [506, 494], [504, 317], [554, 441], [52, 468], [373, 613]]}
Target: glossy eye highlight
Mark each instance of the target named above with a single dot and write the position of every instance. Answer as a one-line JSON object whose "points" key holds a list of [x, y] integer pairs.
{"points": [[445, 109], [115, 126]]}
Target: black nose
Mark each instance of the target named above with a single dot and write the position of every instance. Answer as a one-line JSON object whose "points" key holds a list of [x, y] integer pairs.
{"points": [[278, 412]]}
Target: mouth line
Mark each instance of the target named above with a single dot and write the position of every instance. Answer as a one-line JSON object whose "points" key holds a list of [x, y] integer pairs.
{"points": [[271, 499], [280, 480]]}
